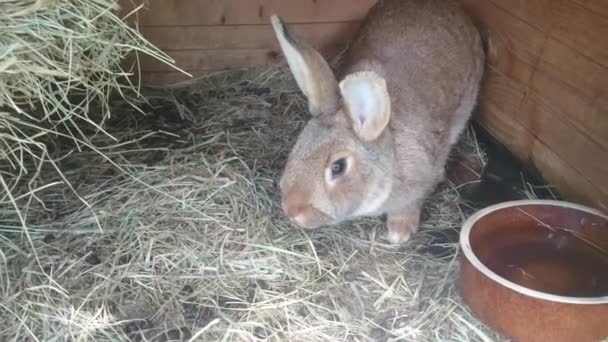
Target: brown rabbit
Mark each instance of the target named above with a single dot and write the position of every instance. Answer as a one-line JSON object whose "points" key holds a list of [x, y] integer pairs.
{"points": [[378, 139]]}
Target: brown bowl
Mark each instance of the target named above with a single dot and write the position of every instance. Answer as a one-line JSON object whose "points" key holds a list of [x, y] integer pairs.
{"points": [[537, 270]]}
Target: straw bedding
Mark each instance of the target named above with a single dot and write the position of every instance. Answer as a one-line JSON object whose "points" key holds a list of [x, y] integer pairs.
{"points": [[61, 63], [125, 218], [174, 232]]}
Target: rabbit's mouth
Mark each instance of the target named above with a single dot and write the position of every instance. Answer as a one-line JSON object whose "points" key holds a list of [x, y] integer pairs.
{"points": [[312, 218]]}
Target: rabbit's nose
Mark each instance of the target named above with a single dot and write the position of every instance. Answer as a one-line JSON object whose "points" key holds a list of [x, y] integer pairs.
{"points": [[294, 206]]}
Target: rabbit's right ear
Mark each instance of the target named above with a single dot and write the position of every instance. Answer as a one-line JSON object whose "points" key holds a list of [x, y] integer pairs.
{"points": [[367, 102], [312, 73]]}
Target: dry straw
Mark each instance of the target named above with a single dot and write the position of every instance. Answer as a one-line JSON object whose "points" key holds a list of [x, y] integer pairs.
{"points": [[60, 64], [118, 226], [195, 245]]}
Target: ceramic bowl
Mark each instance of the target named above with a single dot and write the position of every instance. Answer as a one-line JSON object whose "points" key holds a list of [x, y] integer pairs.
{"points": [[537, 270]]}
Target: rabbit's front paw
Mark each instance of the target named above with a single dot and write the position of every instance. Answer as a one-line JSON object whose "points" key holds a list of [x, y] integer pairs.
{"points": [[402, 226]]}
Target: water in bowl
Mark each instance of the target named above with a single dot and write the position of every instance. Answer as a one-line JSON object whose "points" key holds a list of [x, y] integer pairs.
{"points": [[554, 262]]}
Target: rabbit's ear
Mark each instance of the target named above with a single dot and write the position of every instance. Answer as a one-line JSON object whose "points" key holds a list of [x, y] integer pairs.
{"points": [[367, 102], [312, 73]]}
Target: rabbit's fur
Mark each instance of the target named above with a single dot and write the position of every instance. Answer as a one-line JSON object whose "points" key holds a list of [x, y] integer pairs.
{"points": [[407, 89]]}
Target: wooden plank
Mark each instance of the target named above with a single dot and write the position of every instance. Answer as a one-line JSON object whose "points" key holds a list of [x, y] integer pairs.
{"points": [[540, 144], [248, 12], [570, 183], [536, 13], [223, 59], [507, 38], [212, 59], [597, 6], [202, 62], [512, 37], [502, 95], [576, 90], [583, 30], [243, 37], [568, 65], [590, 117], [566, 140], [542, 14]]}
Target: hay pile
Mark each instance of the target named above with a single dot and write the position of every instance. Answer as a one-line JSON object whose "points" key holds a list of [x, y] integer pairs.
{"points": [[61, 63], [182, 237]]}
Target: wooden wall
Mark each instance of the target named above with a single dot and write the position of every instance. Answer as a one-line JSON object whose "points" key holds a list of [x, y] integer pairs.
{"points": [[545, 95], [207, 35]]}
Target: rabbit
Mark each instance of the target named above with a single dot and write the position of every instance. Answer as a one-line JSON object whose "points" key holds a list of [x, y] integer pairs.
{"points": [[382, 126]]}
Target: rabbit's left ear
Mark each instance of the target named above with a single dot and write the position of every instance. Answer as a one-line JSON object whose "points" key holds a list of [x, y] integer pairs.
{"points": [[367, 103], [312, 73]]}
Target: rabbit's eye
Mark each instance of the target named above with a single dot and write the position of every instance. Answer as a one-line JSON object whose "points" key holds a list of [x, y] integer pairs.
{"points": [[338, 167]]}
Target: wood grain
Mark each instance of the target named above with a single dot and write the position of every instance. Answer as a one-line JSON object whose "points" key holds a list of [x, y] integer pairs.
{"points": [[243, 37], [576, 90], [588, 117], [581, 29], [529, 128], [536, 13], [597, 6], [568, 181], [201, 60], [505, 35], [500, 96], [212, 59], [565, 140], [580, 24], [544, 94], [248, 12], [589, 78], [571, 184]]}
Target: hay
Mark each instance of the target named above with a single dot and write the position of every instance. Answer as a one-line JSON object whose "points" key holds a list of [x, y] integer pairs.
{"points": [[60, 65], [194, 244]]}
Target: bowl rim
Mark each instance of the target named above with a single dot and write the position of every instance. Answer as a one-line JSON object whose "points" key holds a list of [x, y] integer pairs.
{"points": [[472, 258]]}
